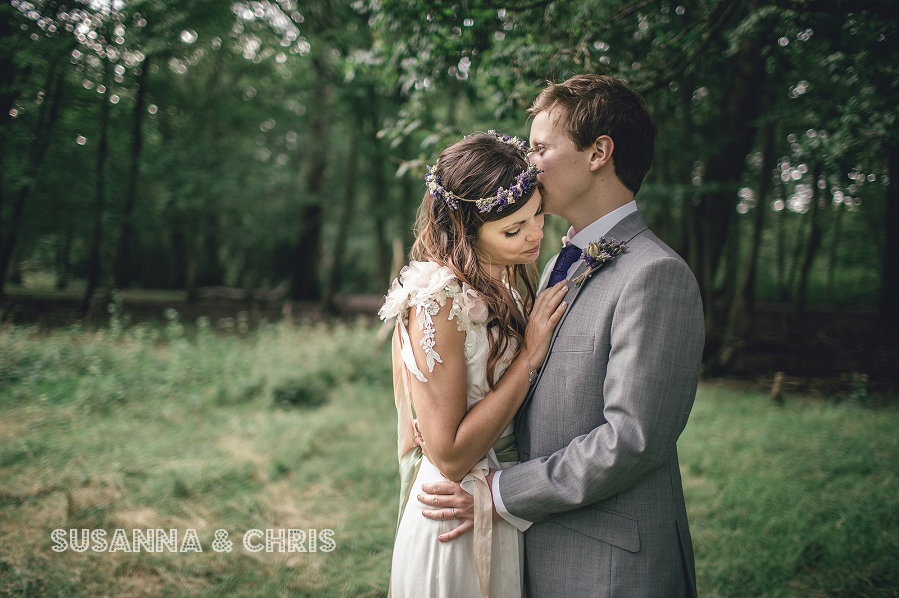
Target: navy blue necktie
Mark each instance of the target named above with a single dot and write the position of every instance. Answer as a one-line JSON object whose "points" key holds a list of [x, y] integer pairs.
{"points": [[570, 254]]}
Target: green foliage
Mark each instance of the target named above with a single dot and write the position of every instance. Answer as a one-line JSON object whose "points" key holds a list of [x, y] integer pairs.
{"points": [[277, 144], [714, 74], [101, 369]]}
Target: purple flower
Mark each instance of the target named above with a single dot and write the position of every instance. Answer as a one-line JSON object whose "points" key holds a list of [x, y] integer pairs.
{"points": [[597, 253]]}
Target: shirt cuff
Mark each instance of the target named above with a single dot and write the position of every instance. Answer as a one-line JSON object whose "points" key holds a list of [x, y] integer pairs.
{"points": [[518, 522]]}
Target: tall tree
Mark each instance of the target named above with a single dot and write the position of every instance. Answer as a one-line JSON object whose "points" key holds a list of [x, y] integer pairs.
{"points": [[94, 266], [32, 93]]}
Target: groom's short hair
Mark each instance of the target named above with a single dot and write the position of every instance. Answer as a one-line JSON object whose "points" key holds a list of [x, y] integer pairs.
{"points": [[595, 105]]}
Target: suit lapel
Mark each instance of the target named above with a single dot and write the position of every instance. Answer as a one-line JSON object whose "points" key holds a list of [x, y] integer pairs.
{"points": [[573, 291], [631, 226]]}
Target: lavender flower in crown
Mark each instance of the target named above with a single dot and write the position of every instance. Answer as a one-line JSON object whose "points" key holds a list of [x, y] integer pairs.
{"points": [[435, 188], [597, 253], [506, 197], [524, 182], [520, 144]]}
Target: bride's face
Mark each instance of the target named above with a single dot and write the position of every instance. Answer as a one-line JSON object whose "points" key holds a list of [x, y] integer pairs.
{"points": [[514, 239]]}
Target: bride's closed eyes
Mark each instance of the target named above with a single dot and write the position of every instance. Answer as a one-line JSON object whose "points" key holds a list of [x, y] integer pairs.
{"points": [[511, 234]]}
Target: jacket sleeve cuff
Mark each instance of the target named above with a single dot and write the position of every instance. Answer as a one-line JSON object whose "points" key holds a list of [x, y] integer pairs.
{"points": [[518, 522]]}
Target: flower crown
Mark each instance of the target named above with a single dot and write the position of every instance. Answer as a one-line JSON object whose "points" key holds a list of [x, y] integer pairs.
{"points": [[524, 182]]}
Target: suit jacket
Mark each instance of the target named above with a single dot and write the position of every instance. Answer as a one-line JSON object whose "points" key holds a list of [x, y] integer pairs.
{"points": [[597, 434]]}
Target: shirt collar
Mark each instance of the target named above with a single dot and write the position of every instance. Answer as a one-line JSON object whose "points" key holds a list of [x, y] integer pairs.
{"points": [[601, 227]]}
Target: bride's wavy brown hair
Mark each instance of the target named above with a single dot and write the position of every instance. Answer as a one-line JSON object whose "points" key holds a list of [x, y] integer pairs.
{"points": [[476, 167]]}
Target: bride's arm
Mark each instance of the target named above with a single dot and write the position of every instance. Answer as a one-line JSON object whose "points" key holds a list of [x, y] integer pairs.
{"points": [[455, 439]]}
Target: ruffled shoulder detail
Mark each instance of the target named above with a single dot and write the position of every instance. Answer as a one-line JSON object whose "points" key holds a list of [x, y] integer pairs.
{"points": [[426, 286]]}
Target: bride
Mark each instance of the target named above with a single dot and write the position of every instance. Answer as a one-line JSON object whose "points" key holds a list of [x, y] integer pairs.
{"points": [[469, 339]]}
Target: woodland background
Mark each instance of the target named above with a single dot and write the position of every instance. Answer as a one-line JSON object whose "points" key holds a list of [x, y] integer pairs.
{"points": [[273, 150], [202, 203]]}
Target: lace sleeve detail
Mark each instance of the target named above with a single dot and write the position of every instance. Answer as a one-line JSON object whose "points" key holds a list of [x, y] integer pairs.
{"points": [[426, 310], [426, 286]]}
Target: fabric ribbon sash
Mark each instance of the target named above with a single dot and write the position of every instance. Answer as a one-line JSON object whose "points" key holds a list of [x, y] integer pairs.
{"points": [[506, 449], [475, 483]]}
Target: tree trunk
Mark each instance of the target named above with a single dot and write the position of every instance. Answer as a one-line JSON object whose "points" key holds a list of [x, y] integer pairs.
{"points": [[707, 273], [739, 315], [94, 265], [818, 213], [250, 276], [834, 244], [168, 264], [343, 222], [780, 274], [194, 240], [212, 272], [661, 225], [690, 251], [64, 257], [304, 281], [306, 267], [15, 269], [801, 243], [121, 274], [741, 109], [732, 260], [193, 248], [889, 298], [382, 270], [47, 119], [380, 193], [11, 240]]}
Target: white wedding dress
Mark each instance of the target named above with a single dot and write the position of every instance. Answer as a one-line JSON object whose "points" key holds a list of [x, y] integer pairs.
{"points": [[422, 565]]}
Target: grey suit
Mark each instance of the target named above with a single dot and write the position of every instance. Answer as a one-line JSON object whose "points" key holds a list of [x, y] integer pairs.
{"points": [[597, 435]]}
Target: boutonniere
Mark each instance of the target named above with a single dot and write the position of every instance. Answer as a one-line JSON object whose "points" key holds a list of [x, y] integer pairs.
{"points": [[598, 253]]}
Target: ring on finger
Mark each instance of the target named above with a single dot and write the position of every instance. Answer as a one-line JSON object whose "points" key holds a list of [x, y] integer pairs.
{"points": [[454, 512]]}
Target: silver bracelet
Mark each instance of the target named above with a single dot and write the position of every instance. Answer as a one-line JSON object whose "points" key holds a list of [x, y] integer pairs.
{"points": [[532, 373]]}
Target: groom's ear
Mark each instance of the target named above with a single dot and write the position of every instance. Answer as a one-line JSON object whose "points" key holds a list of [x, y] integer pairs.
{"points": [[601, 152]]}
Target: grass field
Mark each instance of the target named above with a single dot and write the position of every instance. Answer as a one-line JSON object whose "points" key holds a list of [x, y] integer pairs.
{"points": [[293, 428]]}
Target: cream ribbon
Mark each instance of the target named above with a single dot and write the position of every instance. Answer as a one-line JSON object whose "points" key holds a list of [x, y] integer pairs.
{"points": [[475, 483]]}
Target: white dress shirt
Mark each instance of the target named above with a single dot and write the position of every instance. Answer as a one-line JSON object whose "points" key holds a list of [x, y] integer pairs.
{"points": [[592, 232]]}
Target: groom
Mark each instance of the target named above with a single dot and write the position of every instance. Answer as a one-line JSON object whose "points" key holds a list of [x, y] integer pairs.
{"points": [[598, 492]]}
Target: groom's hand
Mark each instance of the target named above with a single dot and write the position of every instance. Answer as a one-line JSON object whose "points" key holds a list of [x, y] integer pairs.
{"points": [[450, 501]]}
